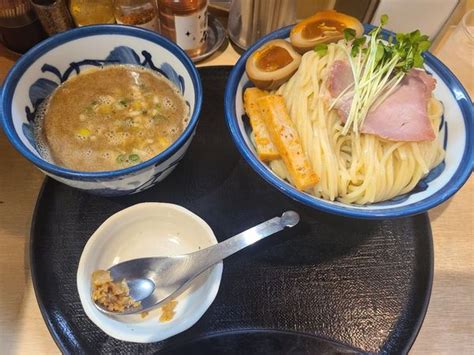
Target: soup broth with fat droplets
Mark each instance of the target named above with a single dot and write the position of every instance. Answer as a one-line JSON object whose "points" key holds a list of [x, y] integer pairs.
{"points": [[110, 118]]}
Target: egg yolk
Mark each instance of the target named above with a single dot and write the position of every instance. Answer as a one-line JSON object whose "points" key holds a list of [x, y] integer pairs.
{"points": [[273, 58], [322, 28]]}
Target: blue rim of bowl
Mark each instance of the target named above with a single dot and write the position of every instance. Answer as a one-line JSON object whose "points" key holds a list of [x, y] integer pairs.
{"points": [[40, 49], [460, 176]]}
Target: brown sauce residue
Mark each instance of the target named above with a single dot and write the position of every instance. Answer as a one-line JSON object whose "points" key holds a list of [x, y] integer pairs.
{"points": [[112, 295], [112, 118], [168, 311], [322, 28], [273, 58]]}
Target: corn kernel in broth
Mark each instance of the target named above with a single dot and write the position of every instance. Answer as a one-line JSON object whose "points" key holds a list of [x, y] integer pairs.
{"points": [[110, 118]]}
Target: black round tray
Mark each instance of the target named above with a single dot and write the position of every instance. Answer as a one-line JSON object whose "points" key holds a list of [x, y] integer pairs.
{"points": [[329, 285]]}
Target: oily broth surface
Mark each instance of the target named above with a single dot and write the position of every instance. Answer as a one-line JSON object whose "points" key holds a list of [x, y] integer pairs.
{"points": [[111, 118]]}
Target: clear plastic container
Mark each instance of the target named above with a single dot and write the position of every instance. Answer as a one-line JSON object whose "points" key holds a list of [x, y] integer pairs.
{"points": [[250, 20], [458, 51]]}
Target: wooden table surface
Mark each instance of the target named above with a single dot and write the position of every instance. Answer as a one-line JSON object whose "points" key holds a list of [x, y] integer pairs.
{"points": [[448, 326]]}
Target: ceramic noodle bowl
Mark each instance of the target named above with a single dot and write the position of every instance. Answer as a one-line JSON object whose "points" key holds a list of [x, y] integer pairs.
{"points": [[39, 72], [456, 130]]}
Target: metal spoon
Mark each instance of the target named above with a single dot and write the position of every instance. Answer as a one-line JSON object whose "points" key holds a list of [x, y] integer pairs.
{"points": [[155, 281]]}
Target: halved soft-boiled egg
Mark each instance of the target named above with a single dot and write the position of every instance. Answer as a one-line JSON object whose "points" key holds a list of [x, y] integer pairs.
{"points": [[323, 27], [272, 64]]}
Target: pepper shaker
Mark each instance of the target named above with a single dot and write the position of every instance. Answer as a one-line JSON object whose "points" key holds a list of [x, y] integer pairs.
{"points": [[141, 13], [53, 15]]}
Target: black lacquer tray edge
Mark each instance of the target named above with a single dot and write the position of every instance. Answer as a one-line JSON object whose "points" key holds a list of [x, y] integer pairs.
{"points": [[426, 302], [39, 300], [275, 331], [63, 348]]}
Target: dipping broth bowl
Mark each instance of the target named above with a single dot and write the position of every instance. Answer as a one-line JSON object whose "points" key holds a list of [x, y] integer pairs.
{"points": [[37, 73]]}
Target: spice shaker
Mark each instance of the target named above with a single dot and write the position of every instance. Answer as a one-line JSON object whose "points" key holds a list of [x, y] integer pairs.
{"points": [[91, 12], [185, 23], [53, 15], [141, 13]]}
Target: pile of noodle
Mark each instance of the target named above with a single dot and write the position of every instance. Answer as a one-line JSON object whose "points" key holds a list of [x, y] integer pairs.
{"points": [[353, 168]]}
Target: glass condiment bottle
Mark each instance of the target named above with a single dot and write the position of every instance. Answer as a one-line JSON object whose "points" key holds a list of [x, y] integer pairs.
{"points": [[91, 12], [53, 15], [185, 23], [457, 52], [20, 28], [141, 13]]}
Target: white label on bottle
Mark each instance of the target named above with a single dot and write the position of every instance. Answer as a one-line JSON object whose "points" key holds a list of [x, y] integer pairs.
{"points": [[191, 31]]}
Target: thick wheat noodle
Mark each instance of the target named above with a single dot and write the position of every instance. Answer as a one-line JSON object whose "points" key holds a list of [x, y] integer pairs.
{"points": [[353, 168]]}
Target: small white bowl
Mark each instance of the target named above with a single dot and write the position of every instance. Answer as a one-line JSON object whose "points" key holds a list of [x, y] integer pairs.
{"points": [[144, 230]]}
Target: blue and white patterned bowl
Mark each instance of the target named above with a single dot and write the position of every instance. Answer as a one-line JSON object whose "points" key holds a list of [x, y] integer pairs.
{"points": [[53, 61], [441, 183]]}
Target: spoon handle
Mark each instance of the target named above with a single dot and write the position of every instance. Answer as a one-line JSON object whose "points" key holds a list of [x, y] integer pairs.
{"points": [[203, 259]]}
